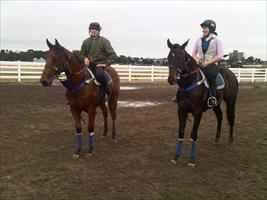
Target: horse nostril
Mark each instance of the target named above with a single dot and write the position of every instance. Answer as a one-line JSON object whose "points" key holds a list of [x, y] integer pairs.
{"points": [[44, 82], [170, 82]]}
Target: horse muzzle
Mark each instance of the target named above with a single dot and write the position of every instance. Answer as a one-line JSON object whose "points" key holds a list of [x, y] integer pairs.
{"points": [[48, 82], [171, 81], [45, 83]]}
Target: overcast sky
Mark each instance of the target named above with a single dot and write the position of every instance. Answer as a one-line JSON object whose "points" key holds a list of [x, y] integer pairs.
{"points": [[135, 28]]}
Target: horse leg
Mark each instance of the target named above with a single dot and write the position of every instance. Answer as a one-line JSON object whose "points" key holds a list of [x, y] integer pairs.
{"points": [[219, 115], [197, 119], [112, 103], [105, 115], [91, 123], [77, 117], [230, 110], [182, 115]]}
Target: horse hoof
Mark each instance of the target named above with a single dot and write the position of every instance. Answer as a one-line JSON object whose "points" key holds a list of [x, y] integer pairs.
{"points": [[191, 164], [114, 141], [75, 156], [173, 161], [103, 136], [88, 155]]}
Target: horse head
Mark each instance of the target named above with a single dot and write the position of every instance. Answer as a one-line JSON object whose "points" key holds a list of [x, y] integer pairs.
{"points": [[56, 62], [177, 61]]}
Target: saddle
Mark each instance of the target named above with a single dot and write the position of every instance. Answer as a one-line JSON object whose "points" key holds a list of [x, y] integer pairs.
{"points": [[219, 80], [106, 74]]}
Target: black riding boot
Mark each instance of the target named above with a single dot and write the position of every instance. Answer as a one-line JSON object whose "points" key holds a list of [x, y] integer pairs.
{"points": [[211, 72], [212, 100], [105, 88], [100, 76]]}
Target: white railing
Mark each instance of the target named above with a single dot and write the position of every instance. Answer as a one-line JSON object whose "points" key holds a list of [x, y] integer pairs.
{"points": [[26, 71], [250, 74]]}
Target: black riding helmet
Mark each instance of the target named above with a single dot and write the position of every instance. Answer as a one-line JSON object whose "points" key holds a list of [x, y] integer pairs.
{"points": [[95, 25], [210, 24]]}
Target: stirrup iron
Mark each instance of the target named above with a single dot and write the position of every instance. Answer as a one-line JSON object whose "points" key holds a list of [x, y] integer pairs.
{"points": [[212, 102]]}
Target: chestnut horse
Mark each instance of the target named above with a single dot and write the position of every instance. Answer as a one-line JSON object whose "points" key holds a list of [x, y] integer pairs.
{"points": [[82, 93], [192, 95]]}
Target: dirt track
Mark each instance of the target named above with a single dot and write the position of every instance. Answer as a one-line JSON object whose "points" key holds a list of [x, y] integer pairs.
{"points": [[37, 142]]}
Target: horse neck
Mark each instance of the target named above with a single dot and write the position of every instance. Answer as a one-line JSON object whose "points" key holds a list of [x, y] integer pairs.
{"points": [[192, 66], [191, 63], [75, 66]]}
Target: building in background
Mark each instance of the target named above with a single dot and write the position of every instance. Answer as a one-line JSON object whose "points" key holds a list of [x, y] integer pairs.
{"points": [[235, 55]]}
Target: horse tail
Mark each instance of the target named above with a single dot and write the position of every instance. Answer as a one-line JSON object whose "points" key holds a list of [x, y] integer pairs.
{"points": [[230, 97], [230, 110], [115, 87]]}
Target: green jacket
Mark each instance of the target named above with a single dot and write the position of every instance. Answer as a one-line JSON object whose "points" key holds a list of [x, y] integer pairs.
{"points": [[98, 50]]}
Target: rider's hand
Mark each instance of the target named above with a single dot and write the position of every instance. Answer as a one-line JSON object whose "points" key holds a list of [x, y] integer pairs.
{"points": [[203, 65], [101, 65], [86, 62]]}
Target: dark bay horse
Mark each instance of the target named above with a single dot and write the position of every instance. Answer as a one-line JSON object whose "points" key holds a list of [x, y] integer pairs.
{"points": [[192, 96], [82, 93]]}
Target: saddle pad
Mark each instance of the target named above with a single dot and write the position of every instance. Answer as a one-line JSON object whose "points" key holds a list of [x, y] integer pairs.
{"points": [[219, 81], [106, 74]]}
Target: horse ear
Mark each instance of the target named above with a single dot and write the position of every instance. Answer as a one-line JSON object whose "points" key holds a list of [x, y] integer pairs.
{"points": [[49, 44], [57, 43], [170, 45], [185, 44]]}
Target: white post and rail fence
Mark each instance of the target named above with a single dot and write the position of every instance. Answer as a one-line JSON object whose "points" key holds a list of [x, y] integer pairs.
{"points": [[17, 71]]}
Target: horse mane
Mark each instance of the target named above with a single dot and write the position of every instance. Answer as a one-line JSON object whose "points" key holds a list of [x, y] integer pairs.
{"points": [[192, 60], [77, 57], [63, 49]]}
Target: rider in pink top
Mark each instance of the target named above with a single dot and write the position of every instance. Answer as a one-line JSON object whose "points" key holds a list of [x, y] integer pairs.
{"points": [[207, 52], [219, 47]]}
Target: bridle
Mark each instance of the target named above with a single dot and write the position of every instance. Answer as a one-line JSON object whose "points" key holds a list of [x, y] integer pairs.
{"points": [[60, 60], [184, 67], [69, 73]]}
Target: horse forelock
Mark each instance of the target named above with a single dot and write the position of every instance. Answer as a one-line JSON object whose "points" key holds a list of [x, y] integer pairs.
{"points": [[57, 49], [60, 50], [176, 46]]}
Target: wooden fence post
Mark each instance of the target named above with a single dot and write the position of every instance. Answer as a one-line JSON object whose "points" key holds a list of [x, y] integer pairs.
{"points": [[130, 73], [19, 71], [265, 80], [253, 75], [238, 77], [152, 73]]}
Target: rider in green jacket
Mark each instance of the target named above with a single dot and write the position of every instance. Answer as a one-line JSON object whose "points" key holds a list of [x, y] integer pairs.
{"points": [[97, 53]]}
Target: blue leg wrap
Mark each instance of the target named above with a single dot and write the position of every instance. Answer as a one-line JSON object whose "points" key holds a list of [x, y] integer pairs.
{"points": [[193, 150], [179, 148], [91, 142], [78, 142]]}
